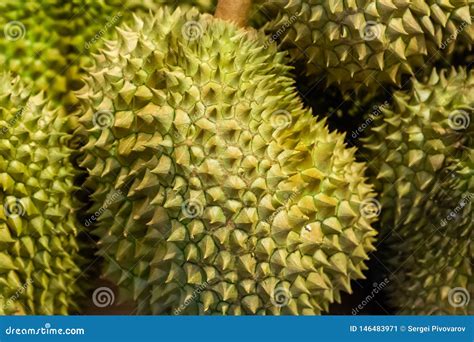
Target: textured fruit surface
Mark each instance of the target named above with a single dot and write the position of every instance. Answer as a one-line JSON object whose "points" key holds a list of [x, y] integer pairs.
{"points": [[48, 41], [233, 198], [205, 6], [366, 44], [32, 45], [422, 159], [38, 248]]}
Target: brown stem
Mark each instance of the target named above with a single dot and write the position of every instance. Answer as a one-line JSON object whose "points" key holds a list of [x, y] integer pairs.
{"points": [[236, 11]]}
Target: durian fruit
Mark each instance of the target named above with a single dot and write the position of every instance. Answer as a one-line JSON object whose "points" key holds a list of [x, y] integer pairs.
{"points": [[32, 45], [367, 44], [422, 161], [38, 248], [218, 192], [47, 42]]}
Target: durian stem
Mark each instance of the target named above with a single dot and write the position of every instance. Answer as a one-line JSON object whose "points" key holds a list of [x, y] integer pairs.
{"points": [[236, 11]]}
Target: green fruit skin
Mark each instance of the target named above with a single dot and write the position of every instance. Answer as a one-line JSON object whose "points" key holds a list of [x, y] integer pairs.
{"points": [[368, 44], [421, 161], [39, 253], [47, 42], [222, 194]]}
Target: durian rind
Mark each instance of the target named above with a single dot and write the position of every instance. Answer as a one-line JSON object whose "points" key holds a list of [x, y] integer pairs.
{"points": [[368, 44], [47, 42], [39, 253], [233, 197], [421, 160]]}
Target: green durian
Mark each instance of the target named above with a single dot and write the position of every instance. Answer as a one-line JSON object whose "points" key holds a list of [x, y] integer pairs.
{"points": [[422, 162], [34, 44], [47, 42], [38, 248], [367, 44], [217, 192]]}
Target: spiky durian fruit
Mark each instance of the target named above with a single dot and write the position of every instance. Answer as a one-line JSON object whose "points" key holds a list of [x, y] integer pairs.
{"points": [[32, 45], [365, 44], [38, 248], [48, 41], [422, 159], [214, 190]]}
